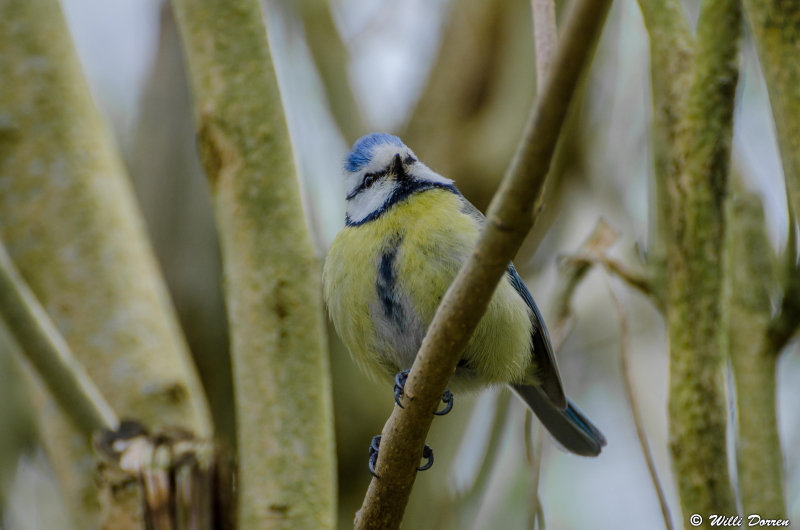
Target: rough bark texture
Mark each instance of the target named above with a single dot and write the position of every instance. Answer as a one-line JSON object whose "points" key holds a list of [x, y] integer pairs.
{"points": [[671, 60], [71, 226], [511, 214], [272, 276], [696, 322], [752, 268]]}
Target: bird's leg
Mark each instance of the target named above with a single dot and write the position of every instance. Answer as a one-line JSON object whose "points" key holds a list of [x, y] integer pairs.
{"points": [[399, 387], [375, 446], [427, 452], [373, 454], [447, 399]]}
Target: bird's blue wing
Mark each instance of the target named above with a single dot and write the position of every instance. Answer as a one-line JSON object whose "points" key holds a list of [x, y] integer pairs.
{"points": [[542, 349]]}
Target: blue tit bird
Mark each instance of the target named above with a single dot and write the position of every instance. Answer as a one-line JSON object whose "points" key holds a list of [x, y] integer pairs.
{"points": [[408, 231]]}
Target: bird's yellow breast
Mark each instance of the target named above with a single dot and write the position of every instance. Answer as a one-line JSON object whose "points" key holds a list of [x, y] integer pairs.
{"points": [[384, 279]]}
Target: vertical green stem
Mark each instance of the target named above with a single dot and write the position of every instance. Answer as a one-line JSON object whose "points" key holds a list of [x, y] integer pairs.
{"points": [[759, 456], [776, 27], [280, 365], [698, 192], [671, 58]]}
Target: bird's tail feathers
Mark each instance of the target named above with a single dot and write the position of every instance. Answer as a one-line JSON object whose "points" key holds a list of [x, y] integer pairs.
{"points": [[569, 426]]}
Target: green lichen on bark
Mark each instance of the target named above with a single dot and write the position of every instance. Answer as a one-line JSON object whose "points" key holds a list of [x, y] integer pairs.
{"points": [[697, 195], [70, 223], [671, 59], [752, 269], [272, 275]]}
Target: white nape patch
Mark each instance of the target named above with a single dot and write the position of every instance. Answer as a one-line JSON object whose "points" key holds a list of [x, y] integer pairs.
{"points": [[420, 171], [369, 200]]}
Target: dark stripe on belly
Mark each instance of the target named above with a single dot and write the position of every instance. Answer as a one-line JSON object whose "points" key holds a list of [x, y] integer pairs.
{"points": [[387, 283]]}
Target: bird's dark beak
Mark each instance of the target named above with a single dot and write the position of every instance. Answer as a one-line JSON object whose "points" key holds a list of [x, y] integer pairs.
{"points": [[398, 169]]}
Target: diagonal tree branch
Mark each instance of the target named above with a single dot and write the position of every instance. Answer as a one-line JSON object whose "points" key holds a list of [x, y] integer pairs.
{"points": [[46, 349], [510, 216]]}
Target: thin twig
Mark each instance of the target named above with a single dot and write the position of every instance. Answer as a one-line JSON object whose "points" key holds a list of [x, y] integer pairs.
{"points": [[534, 443], [49, 353], [573, 270], [510, 217], [638, 280], [627, 378]]}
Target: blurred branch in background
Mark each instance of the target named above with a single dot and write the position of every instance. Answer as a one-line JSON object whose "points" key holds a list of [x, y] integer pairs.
{"points": [[572, 271], [467, 122], [511, 214], [331, 57], [18, 434], [776, 27], [759, 456], [176, 203], [273, 294], [671, 63], [628, 380], [70, 223], [697, 193]]}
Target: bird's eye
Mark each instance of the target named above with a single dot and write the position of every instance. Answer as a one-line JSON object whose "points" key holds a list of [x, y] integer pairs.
{"points": [[369, 180]]}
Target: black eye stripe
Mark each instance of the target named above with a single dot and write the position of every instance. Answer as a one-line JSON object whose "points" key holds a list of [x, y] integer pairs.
{"points": [[377, 175], [361, 187]]}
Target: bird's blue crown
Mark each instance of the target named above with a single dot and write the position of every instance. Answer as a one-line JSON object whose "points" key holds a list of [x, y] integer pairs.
{"points": [[361, 153]]}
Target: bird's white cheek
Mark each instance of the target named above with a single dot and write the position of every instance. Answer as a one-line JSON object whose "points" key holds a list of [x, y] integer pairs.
{"points": [[360, 206]]}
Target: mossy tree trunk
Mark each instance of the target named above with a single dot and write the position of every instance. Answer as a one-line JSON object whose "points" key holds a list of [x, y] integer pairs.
{"points": [[70, 223], [698, 191], [272, 275]]}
